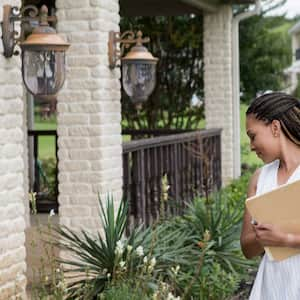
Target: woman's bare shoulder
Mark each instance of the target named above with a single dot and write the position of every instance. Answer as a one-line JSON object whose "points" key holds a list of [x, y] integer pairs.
{"points": [[253, 183]]}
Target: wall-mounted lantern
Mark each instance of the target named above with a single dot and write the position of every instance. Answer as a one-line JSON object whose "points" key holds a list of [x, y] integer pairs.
{"points": [[43, 52], [138, 66]]}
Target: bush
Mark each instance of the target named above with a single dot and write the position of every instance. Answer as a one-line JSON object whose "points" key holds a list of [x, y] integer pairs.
{"points": [[196, 256], [216, 283], [112, 260], [124, 291], [216, 219], [47, 172]]}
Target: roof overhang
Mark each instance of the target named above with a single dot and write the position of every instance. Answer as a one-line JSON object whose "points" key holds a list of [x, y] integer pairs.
{"points": [[295, 29], [173, 7]]}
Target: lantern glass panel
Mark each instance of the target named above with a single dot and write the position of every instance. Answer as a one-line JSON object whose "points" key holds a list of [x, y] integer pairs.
{"points": [[43, 71], [138, 80]]}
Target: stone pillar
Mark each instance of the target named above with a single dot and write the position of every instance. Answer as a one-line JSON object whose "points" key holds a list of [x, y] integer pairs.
{"points": [[12, 177], [89, 113], [218, 81]]}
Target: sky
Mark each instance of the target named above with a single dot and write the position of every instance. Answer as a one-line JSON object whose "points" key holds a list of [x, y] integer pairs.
{"points": [[292, 7]]}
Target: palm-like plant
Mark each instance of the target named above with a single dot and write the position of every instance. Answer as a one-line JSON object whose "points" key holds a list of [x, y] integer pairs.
{"points": [[94, 256], [97, 258], [214, 228], [223, 223]]}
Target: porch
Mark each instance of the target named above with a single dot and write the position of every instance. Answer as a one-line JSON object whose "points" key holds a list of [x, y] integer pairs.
{"points": [[89, 113]]}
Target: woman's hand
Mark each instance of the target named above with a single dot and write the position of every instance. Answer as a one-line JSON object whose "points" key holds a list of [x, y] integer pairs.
{"points": [[270, 235]]}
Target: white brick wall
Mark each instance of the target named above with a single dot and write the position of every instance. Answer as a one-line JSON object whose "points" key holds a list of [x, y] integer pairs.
{"points": [[218, 82], [89, 113], [12, 174]]}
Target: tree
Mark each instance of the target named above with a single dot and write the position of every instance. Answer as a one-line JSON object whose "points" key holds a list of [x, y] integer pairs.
{"points": [[177, 41], [265, 51]]}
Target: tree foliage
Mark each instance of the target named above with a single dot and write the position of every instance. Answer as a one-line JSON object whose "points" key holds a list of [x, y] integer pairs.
{"points": [[265, 51], [177, 42]]}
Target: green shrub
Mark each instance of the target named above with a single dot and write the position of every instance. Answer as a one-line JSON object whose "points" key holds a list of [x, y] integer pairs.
{"points": [[124, 291], [47, 172], [223, 223], [236, 191], [216, 283], [196, 255], [94, 256], [111, 260], [216, 219]]}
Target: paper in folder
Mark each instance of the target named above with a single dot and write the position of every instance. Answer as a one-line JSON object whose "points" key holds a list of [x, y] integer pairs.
{"points": [[280, 207]]}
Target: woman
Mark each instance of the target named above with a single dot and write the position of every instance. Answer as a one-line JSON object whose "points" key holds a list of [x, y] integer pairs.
{"points": [[273, 126]]}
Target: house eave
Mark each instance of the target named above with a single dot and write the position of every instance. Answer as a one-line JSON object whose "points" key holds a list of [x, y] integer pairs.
{"points": [[173, 7], [295, 28]]}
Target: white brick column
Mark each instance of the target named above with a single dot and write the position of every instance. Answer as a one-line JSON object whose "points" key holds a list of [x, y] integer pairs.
{"points": [[218, 81], [89, 113], [12, 183]]}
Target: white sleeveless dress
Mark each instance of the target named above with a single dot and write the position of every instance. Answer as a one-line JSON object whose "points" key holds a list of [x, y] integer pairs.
{"points": [[276, 280]]}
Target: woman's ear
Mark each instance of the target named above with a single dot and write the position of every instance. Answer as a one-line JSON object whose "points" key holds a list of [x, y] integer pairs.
{"points": [[276, 128]]}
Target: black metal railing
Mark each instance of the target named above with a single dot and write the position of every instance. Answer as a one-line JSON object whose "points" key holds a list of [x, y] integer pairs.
{"points": [[191, 162]]}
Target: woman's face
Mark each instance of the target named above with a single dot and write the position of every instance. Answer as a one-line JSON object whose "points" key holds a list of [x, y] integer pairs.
{"points": [[262, 139]]}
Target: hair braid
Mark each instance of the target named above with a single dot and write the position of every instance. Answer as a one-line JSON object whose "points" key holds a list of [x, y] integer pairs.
{"points": [[282, 107]]}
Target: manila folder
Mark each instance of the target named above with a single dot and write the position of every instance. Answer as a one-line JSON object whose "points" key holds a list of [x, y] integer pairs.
{"points": [[280, 207]]}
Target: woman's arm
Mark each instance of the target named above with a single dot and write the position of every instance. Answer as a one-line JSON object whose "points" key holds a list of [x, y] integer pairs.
{"points": [[292, 240], [250, 245]]}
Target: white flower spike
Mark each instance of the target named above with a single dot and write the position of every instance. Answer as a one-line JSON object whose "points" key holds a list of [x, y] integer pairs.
{"points": [[145, 260], [153, 262], [122, 264], [140, 251], [119, 248]]}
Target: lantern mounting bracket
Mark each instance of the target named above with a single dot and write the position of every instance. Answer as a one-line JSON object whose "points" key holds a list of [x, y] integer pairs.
{"points": [[12, 14], [124, 39]]}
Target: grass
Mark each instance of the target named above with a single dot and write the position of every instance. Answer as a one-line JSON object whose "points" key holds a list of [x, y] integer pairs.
{"points": [[47, 144]]}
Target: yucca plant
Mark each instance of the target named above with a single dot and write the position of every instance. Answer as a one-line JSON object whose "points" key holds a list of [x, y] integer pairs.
{"points": [[223, 223], [97, 258], [94, 255], [215, 221]]}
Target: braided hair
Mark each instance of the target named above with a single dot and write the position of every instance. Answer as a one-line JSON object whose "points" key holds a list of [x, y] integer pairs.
{"points": [[278, 106]]}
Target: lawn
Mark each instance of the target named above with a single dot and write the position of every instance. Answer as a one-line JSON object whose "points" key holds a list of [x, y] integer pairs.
{"points": [[46, 143]]}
